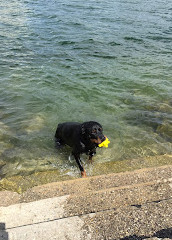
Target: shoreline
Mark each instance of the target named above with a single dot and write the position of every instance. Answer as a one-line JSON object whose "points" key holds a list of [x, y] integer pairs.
{"points": [[20, 184]]}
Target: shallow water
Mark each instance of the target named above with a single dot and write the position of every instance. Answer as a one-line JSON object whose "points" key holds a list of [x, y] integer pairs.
{"points": [[107, 61]]}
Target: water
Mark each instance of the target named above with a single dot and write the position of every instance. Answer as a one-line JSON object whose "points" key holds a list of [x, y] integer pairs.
{"points": [[108, 61]]}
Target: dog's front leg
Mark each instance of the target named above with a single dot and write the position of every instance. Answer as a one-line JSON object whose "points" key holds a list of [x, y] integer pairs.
{"points": [[91, 158], [91, 154], [78, 160]]}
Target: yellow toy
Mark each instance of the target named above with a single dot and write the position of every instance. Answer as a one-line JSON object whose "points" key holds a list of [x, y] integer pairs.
{"points": [[104, 143]]}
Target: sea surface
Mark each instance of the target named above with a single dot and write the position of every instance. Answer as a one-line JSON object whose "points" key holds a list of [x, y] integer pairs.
{"points": [[72, 60]]}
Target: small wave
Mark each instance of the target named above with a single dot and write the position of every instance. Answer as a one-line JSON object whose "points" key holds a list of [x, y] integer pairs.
{"points": [[114, 44], [89, 40], [134, 39], [67, 42], [103, 56], [161, 38]]}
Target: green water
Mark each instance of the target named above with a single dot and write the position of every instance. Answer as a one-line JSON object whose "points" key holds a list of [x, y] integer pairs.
{"points": [[108, 61]]}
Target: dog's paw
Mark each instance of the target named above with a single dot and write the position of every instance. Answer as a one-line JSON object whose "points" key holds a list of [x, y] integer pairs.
{"points": [[83, 174]]}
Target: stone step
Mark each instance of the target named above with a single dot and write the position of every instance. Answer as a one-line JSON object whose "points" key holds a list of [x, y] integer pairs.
{"points": [[88, 202], [96, 183], [125, 206], [150, 221], [89, 184]]}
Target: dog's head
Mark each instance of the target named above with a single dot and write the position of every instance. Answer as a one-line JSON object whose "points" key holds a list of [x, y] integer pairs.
{"points": [[93, 131]]}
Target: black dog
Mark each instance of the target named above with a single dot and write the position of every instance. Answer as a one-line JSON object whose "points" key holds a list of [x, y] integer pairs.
{"points": [[83, 138]]}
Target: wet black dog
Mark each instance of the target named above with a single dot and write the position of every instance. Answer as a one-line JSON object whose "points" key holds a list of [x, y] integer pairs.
{"points": [[82, 137]]}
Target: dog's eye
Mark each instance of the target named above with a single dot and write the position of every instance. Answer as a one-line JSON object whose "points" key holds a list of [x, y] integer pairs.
{"points": [[100, 129], [94, 130]]}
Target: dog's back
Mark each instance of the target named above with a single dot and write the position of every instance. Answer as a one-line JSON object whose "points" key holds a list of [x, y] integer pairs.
{"points": [[68, 133]]}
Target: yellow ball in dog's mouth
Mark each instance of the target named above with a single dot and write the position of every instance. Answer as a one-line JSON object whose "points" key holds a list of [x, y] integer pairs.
{"points": [[104, 143]]}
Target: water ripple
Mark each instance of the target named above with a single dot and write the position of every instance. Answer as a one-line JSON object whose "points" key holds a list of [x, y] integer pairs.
{"points": [[108, 61]]}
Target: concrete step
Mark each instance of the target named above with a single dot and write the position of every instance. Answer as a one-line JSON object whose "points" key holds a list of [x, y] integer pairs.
{"points": [[96, 183], [112, 206], [149, 221], [85, 203], [89, 184]]}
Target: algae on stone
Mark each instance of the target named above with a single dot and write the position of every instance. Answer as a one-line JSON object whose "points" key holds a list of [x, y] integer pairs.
{"points": [[165, 129], [35, 124], [131, 164], [22, 183]]}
